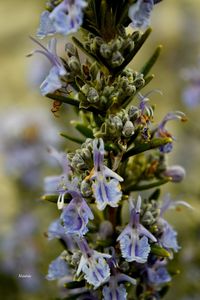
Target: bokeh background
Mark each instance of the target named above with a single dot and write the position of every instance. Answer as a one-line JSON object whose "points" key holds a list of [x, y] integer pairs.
{"points": [[28, 127]]}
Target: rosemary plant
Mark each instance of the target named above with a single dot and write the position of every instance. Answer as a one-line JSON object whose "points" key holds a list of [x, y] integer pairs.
{"points": [[117, 243]]}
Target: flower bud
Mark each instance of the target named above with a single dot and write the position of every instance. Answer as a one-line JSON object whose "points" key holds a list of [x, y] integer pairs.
{"points": [[78, 162], [133, 113], [135, 35], [86, 189], [128, 45], [70, 49], [85, 89], [117, 59], [92, 96], [114, 124], [139, 82], [128, 129], [177, 173], [117, 44], [105, 51], [74, 64], [95, 44], [130, 90]]}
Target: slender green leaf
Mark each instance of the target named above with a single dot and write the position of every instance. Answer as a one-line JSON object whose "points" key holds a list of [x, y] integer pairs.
{"points": [[151, 61], [159, 251], [148, 186], [71, 138], [84, 130], [155, 143]]}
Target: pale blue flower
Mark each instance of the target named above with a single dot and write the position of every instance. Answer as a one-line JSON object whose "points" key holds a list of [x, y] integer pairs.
{"points": [[119, 293], [57, 269], [168, 238], [133, 239], [53, 81], [158, 275], [106, 187], [176, 173], [162, 132], [60, 184], [66, 18], [191, 94], [56, 230], [140, 13], [116, 290], [93, 264], [76, 215]]}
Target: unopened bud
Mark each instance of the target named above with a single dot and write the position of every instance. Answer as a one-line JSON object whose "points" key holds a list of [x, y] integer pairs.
{"points": [[117, 59], [133, 113], [139, 82], [117, 44], [105, 51], [70, 49], [86, 188], [128, 129], [130, 90], [176, 173], [74, 64], [92, 95], [114, 124]]}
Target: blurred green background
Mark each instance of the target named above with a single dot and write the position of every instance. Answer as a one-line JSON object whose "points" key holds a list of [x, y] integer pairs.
{"points": [[26, 121]]}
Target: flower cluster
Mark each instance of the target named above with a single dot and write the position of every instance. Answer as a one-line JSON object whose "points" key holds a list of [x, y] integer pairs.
{"points": [[117, 244]]}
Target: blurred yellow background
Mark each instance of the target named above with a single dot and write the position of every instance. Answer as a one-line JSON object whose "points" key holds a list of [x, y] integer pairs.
{"points": [[176, 25]]}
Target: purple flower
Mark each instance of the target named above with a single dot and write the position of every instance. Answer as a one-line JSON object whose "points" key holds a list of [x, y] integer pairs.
{"points": [[191, 94], [176, 173], [56, 230], [158, 274], [93, 264], [76, 215], [140, 13], [163, 133], [134, 238], [106, 187], [53, 81], [60, 184], [168, 237], [65, 18], [57, 269], [115, 289]]}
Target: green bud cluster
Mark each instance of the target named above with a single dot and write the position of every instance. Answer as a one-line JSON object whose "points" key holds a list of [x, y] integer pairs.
{"points": [[114, 52], [104, 92], [82, 159], [150, 212], [117, 126]]}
